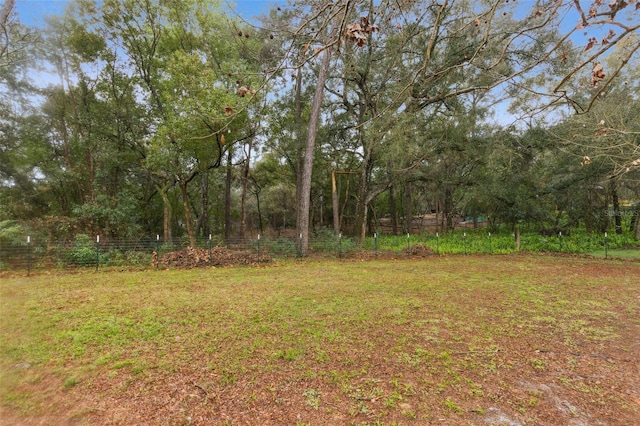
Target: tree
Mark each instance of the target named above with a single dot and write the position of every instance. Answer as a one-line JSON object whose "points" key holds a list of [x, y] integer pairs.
{"points": [[184, 60], [604, 142], [154, 96], [16, 40]]}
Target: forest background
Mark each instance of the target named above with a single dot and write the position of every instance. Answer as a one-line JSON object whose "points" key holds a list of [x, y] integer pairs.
{"points": [[128, 118]]}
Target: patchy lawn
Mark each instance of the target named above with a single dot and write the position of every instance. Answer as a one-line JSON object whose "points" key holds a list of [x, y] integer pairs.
{"points": [[482, 340]]}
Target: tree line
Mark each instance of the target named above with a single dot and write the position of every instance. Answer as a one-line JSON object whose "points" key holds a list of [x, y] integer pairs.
{"points": [[126, 118]]}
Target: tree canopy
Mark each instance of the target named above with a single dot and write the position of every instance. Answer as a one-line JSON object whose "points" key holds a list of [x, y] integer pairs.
{"points": [[182, 118]]}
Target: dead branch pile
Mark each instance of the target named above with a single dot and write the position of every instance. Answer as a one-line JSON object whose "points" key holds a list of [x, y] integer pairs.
{"points": [[220, 256], [419, 250]]}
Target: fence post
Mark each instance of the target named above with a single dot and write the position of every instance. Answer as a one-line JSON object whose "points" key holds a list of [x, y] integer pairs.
{"points": [[375, 243], [258, 244], [437, 243], [490, 251], [28, 254], [560, 240], [408, 244], [157, 259], [209, 246], [464, 241], [340, 245], [606, 241], [97, 251]]}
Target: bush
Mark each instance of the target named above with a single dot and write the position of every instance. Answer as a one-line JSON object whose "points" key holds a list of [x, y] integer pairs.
{"points": [[117, 257], [83, 251]]}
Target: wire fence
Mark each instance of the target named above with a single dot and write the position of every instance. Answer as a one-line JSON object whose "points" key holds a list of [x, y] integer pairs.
{"points": [[33, 255]]}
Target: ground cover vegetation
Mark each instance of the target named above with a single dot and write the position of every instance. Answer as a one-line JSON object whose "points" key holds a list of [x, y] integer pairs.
{"points": [[182, 119], [517, 339]]}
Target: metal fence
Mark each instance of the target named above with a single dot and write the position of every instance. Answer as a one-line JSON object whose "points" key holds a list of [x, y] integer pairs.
{"points": [[85, 252], [34, 255]]}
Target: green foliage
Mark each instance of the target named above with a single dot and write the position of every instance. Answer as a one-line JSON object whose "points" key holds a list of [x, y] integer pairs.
{"points": [[11, 232], [83, 251], [501, 242], [125, 258], [154, 94]]}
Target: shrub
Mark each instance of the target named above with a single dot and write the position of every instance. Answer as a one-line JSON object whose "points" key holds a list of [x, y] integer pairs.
{"points": [[83, 251]]}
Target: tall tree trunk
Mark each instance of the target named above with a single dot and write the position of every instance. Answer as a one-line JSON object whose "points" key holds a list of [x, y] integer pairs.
{"points": [[188, 217], [203, 220], [616, 206], [167, 233], [335, 202], [300, 138], [393, 209], [363, 192], [243, 197], [447, 210], [304, 196], [392, 203], [227, 196], [408, 206], [260, 227], [92, 175], [588, 212], [606, 218]]}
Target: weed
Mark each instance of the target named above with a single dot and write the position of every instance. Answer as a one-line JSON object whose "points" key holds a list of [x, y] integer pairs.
{"points": [[538, 364], [452, 406], [359, 408], [70, 382], [411, 415], [290, 354], [122, 364], [312, 398], [391, 401]]}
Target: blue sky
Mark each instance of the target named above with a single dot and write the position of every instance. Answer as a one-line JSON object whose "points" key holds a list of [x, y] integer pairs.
{"points": [[33, 12]]}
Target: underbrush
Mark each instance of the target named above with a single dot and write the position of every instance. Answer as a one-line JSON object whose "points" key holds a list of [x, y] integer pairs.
{"points": [[483, 241]]}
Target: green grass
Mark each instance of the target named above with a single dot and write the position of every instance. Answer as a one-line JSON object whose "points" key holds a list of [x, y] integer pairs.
{"points": [[617, 253], [481, 240], [382, 341]]}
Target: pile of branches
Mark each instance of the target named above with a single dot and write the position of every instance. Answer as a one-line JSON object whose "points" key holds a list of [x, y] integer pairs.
{"points": [[216, 256], [419, 250]]}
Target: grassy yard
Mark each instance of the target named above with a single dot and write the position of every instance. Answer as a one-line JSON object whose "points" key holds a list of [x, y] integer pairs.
{"points": [[514, 339], [618, 253]]}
